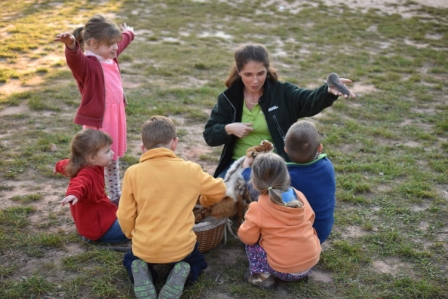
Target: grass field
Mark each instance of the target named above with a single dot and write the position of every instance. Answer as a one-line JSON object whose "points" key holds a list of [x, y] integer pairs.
{"points": [[389, 145]]}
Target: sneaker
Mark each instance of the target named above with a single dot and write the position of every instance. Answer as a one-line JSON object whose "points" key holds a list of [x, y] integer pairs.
{"points": [[175, 283], [143, 287], [263, 280]]}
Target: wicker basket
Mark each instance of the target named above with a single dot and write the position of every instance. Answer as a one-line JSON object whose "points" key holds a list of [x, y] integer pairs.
{"points": [[209, 233]]}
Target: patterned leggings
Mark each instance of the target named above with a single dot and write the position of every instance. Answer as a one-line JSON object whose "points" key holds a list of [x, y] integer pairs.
{"points": [[258, 263], [112, 180]]}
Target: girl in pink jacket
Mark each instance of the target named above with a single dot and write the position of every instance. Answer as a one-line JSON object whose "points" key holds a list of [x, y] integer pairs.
{"points": [[91, 53], [278, 229]]}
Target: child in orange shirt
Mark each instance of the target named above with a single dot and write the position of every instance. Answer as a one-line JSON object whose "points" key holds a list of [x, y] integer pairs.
{"points": [[280, 239]]}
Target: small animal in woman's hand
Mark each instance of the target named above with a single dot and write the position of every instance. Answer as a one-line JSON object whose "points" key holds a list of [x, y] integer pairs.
{"points": [[337, 83]]}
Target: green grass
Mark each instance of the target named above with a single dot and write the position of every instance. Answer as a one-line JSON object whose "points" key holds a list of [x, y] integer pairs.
{"points": [[25, 199], [388, 146]]}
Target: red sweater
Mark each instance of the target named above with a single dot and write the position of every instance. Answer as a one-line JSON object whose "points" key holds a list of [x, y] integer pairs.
{"points": [[94, 213], [89, 76]]}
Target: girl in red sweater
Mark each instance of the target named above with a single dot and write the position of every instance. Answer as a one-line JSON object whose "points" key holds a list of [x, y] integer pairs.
{"points": [[92, 55], [278, 229], [92, 211]]}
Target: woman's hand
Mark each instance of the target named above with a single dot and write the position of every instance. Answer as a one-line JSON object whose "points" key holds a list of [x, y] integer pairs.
{"points": [[240, 130], [67, 38]]}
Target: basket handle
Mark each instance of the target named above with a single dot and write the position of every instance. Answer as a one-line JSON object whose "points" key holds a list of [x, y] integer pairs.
{"points": [[229, 228]]}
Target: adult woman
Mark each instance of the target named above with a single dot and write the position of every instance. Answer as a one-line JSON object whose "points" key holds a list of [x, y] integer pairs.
{"points": [[256, 106]]}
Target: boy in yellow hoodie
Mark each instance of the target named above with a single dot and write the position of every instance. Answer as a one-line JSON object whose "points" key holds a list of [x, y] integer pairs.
{"points": [[156, 212]]}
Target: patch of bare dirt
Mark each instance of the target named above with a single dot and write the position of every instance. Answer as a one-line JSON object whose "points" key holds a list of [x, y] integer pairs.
{"points": [[391, 266], [321, 276], [193, 146], [13, 86], [25, 65], [353, 232], [14, 110], [402, 7]]}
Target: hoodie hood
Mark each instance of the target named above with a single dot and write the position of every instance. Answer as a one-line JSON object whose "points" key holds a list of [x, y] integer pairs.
{"points": [[156, 153], [284, 214]]}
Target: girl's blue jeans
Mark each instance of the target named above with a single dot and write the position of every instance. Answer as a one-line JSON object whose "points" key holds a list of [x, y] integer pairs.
{"points": [[113, 235]]}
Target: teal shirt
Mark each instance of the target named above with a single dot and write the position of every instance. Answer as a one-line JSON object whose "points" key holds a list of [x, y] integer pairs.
{"points": [[321, 156]]}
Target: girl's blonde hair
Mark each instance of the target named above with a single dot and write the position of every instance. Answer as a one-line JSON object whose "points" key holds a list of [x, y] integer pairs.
{"points": [[85, 144], [270, 176], [102, 29], [247, 53]]}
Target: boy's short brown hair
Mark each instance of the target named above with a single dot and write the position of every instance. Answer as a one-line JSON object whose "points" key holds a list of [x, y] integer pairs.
{"points": [[158, 131], [302, 141]]}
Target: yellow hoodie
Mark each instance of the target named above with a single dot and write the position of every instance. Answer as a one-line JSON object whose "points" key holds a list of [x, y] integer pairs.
{"points": [[157, 201]]}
